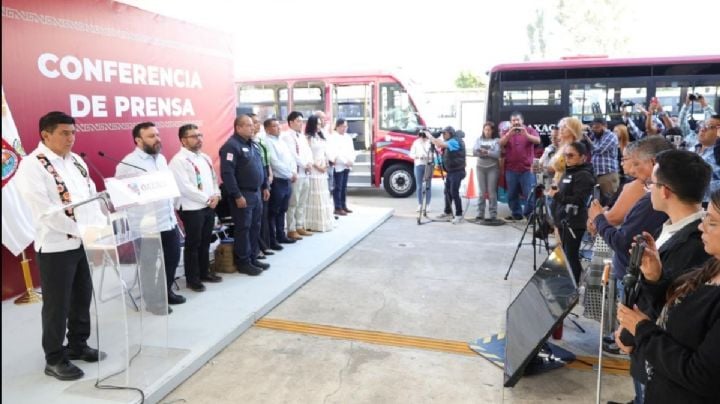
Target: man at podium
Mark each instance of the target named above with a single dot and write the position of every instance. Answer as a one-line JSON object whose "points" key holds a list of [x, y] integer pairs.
{"points": [[49, 178]]}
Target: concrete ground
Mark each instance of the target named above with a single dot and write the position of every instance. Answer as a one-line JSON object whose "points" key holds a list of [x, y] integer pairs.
{"points": [[437, 280]]}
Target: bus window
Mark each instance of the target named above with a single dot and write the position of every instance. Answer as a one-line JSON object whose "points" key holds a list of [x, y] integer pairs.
{"points": [[309, 97], [604, 99], [536, 94], [265, 100], [396, 111], [672, 95]]}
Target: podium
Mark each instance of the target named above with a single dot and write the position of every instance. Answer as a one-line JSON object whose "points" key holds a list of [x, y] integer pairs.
{"points": [[124, 250]]}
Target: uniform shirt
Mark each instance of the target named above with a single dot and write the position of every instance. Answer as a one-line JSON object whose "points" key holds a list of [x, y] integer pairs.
{"points": [[604, 154], [341, 151], [241, 166], [184, 165], [282, 159], [39, 189], [300, 148], [164, 210]]}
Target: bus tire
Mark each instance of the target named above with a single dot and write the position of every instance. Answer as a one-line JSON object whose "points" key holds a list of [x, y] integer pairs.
{"points": [[399, 180]]}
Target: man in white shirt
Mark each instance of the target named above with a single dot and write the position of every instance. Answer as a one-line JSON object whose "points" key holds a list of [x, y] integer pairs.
{"points": [[342, 154], [147, 158], [298, 145], [284, 168], [199, 195], [49, 178]]}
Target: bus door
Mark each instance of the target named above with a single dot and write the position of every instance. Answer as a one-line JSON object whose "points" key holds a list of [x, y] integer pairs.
{"points": [[354, 103]]}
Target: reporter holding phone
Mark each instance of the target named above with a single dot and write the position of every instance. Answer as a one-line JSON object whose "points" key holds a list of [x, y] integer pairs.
{"points": [[681, 350], [569, 206]]}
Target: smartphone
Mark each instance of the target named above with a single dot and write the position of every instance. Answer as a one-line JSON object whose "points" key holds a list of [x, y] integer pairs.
{"points": [[596, 192], [653, 100]]}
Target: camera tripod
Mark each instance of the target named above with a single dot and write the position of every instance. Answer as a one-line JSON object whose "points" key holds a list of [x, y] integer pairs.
{"points": [[425, 187], [538, 220]]}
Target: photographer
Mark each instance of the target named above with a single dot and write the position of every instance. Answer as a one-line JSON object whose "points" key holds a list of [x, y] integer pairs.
{"points": [[569, 204], [420, 152], [680, 349], [519, 143], [453, 162], [689, 133]]}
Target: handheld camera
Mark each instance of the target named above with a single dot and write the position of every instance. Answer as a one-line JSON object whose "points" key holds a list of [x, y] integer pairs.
{"points": [[630, 280]]}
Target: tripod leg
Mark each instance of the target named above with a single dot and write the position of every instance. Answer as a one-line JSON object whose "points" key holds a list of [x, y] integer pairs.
{"points": [[522, 237]]}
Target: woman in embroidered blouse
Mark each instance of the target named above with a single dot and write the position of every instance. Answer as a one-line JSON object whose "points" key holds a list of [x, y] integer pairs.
{"points": [[682, 351], [319, 212]]}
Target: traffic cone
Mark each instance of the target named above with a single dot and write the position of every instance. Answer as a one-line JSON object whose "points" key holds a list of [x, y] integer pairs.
{"points": [[470, 190]]}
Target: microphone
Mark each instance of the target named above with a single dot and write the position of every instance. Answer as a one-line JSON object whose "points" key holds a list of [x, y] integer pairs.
{"points": [[93, 166], [102, 154]]}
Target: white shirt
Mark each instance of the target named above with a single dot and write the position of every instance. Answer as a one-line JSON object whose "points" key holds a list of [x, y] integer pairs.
{"points": [[164, 212], [669, 229], [300, 149], [341, 151], [282, 160], [183, 166], [39, 189], [419, 151]]}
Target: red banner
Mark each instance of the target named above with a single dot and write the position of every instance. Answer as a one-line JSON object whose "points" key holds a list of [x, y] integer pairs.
{"points": [[112, 66]]}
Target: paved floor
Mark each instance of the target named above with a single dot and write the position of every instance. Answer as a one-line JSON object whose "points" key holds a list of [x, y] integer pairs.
{"points": [[438, 281]]}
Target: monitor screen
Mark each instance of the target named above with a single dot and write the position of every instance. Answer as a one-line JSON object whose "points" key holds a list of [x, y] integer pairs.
{"points": [[542, 303]]}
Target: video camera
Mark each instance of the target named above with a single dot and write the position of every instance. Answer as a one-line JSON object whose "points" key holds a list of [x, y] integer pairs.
{"points": [[694, 97], [434, 132]]}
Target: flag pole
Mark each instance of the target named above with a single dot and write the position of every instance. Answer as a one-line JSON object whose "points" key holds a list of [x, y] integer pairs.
{"points": [[30, 295]]}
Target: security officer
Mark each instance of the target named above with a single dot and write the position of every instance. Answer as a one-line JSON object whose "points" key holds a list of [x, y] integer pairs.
{"points": [[243, 176]]}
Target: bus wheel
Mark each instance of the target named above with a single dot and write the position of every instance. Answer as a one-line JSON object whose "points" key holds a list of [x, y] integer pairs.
{"points": [[398, 180]]}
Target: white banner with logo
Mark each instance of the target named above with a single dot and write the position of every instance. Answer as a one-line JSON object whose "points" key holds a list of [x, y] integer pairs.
{"points": [[142, 189]]}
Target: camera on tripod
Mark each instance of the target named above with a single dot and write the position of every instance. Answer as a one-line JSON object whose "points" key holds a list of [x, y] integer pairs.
{"points": [[424, 132]]}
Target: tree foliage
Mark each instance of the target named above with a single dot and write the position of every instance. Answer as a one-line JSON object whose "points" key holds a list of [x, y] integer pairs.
{"points": [[467, 79]]}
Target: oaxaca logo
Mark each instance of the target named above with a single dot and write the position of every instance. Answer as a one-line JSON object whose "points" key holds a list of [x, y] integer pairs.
{"points": [[10, 162], [133, 186]]}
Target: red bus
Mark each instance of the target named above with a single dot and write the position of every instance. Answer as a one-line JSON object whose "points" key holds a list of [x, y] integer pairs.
{"points": [[377, 107], [589, 87]]}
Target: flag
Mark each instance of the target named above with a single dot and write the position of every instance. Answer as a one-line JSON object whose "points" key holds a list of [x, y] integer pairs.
{"points": [[17, 226]]}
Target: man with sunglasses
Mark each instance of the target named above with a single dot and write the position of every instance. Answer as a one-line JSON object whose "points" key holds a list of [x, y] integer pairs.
{"points": [[199, 195]]}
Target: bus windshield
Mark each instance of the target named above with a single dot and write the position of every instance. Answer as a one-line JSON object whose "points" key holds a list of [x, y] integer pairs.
{"points": [[397, 112]]}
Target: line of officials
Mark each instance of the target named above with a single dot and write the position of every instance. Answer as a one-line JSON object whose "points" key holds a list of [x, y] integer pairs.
{"points": [[52, 177]]}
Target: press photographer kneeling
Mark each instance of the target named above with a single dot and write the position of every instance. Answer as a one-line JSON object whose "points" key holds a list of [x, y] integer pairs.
{"points": [[569, 205]]}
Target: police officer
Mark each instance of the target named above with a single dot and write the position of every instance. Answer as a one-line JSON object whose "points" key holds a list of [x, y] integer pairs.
{"points": [[243, 176]]}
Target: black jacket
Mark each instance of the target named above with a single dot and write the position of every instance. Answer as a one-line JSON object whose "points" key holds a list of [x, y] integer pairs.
{"points": [[575, 188], [683, 252], [454, 160]]}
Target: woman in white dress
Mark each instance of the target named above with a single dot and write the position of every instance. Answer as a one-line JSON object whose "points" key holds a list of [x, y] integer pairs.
{"points": [[319, 214]]}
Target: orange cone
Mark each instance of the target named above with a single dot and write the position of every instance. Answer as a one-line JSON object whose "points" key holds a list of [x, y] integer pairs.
{"points": [[471, 192]]}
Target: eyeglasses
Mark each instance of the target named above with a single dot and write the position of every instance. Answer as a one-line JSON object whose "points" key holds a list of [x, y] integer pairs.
{"points": [[711, 127], [198, 136], [649, 183]]}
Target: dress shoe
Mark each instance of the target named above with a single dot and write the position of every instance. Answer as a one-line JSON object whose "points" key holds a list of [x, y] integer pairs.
{"points": [[347, 210], [268, 252], [340, 212], [212, 278], [160, 310], [262, 265], [175, 299], [64, 370], [261, 257], [294, 235], [249, 269], [196, 286], [286, 240], [277, 246], [304, 232], [86, 354]]}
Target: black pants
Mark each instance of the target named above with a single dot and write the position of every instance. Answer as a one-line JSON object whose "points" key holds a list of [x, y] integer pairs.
{"points": [[150, 279], [198, 231], [571, 247], [452, 191], [277, 207], [340, 190], [67, 293], [247, 227]]}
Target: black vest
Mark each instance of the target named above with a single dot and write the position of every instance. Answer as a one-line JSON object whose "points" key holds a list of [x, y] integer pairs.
{"points": [[454, 160]]}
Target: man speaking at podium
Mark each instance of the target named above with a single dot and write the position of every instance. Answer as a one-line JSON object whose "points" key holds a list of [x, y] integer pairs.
{"points": [[49, 178]]}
